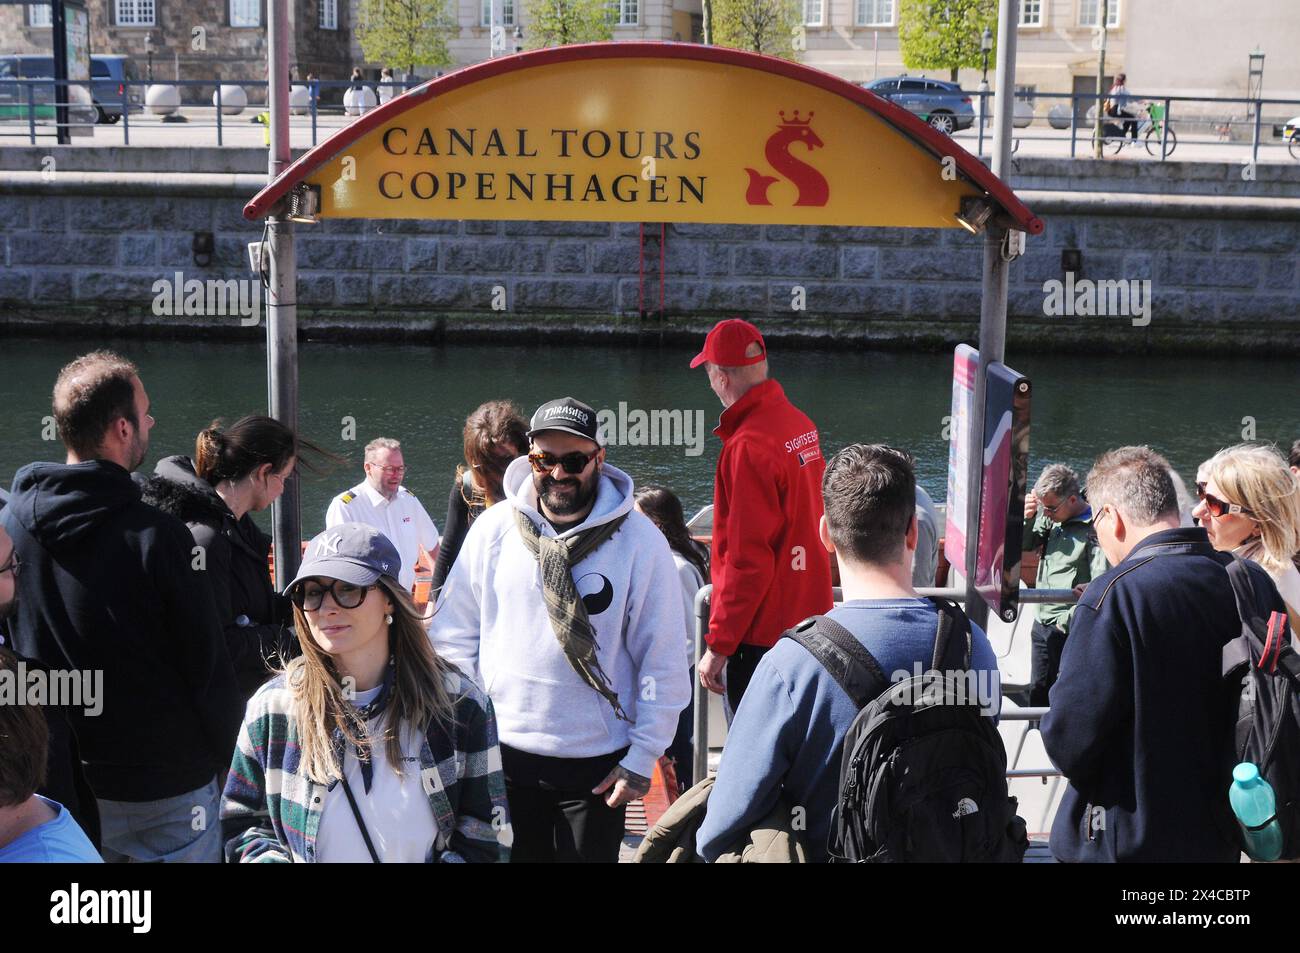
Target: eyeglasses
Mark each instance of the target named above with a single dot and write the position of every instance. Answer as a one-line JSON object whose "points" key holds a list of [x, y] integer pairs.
{"points": [[1053, 508], [387, 470], [12, 565], [1217, 507], [573, 463], [346, 595]]}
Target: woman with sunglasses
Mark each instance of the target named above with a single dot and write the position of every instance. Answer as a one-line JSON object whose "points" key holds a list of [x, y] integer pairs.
{"points": [[1250, 505], [368, 747], [495, 434], [236, 471]]}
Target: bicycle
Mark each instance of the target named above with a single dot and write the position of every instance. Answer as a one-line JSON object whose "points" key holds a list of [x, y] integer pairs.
{"points": [[1291, 133], [1153, 130]]}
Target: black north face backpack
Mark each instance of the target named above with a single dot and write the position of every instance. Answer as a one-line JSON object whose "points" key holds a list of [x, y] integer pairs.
{"points": [[923, 772], [1261, 666]]}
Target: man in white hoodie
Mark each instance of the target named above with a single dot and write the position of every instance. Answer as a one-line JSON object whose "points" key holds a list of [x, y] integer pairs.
{"points": [[562, 605]]}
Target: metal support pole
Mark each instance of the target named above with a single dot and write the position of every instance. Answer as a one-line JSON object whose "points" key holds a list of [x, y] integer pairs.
{"points": [[62, 91], [126, 112], [1254, 145], [1097, 138], [984, 113], [282, 297], [700, 766], [31, 111], [993, 301], [219, 142]]}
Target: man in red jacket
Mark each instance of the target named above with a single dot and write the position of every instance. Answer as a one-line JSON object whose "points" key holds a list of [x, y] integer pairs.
{"points": [[769, 568]]}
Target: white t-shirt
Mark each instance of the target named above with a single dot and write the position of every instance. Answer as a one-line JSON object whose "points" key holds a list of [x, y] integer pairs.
{"points": [[402, 519], [396, 810], [1288, 584]]}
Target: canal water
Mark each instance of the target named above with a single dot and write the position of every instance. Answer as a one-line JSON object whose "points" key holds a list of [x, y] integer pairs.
{"points": [[1082, 403]]}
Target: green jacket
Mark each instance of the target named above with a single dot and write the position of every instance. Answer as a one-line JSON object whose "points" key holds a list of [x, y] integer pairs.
{"points": [[1069, 555]]}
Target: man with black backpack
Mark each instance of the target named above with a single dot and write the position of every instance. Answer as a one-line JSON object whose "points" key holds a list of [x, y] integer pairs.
{"points": [[1141, 717], [789, 733]]}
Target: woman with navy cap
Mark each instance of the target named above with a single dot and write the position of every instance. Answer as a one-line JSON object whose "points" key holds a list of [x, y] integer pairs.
{"points": [[368, 747]]}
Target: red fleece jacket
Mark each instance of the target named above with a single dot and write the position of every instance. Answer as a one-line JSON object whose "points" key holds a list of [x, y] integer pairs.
{"points": [[770, 570]]}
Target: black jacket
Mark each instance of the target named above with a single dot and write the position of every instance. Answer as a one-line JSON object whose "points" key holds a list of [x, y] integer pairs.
{"points": [[108, 584], [252, 614], [1141, 719]]}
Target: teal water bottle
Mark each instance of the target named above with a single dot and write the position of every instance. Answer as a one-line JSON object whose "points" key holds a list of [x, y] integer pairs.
{"points": [[1252, 801]]}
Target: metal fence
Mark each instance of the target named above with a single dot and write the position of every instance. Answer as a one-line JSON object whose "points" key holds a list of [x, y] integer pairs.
{"points": [[27, 106], [31, 105]]}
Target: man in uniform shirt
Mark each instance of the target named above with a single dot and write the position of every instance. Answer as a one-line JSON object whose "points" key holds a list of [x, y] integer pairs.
{"points": [[381, 501]]}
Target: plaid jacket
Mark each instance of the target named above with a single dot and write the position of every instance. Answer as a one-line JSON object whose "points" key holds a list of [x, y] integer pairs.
{"points": [[274, 811]]}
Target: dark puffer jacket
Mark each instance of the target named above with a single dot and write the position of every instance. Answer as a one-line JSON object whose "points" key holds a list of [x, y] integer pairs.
{"points": [[257, 621]]}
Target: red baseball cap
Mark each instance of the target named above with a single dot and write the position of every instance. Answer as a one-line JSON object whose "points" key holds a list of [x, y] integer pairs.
{"points": [[727, 343]]}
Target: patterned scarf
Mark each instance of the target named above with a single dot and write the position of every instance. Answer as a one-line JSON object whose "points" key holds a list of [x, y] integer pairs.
{"points": [[361, 718], [564, 607]]}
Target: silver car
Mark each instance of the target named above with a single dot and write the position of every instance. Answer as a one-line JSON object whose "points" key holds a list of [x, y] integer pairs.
{"points": [[944, 105]]}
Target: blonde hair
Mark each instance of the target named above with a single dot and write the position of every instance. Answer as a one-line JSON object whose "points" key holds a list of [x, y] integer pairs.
{"points": [[419, 694], [1257, 477]]}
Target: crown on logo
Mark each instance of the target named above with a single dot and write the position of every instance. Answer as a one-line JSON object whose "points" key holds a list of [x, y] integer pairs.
{"points": [[796, 121]]}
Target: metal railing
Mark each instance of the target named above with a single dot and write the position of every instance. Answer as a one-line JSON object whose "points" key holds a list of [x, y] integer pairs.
{"points": [[32, 103], [700, 765], [1236, 113]]}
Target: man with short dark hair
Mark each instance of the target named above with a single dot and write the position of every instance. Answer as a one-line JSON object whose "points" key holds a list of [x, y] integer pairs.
{"points": [[1058, 526], [562, 604], [769, 569], [110, 584], [789, 731], [1141, 719]]}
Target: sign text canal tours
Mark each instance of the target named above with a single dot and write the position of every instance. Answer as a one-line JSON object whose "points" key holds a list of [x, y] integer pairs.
{"points": [[639, 139]]}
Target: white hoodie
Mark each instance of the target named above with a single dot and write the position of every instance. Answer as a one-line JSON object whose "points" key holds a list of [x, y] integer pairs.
{"points": [[491, 621]]}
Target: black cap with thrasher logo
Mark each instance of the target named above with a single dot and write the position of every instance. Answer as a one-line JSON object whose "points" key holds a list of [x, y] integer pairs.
{"points": [[567, 414]]}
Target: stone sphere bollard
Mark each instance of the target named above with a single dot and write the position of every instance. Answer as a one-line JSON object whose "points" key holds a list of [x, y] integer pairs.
{"points": [[357, 101], [1022, 115], [299, 100], [1059, 116], [162, 99], [233, 99]]}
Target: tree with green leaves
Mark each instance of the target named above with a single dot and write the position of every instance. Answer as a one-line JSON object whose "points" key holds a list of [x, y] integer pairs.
{"points": [[761, 26], [407, 33], [944, 34], [561, 22]]}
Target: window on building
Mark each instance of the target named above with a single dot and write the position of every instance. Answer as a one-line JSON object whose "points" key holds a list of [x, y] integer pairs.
{"points": [[1031, 12], [1090, 13], [813, 12], [505, 9], [629, 12], [875, 12], [329, 14], [245, 12], [135, 12], [38, 15]]}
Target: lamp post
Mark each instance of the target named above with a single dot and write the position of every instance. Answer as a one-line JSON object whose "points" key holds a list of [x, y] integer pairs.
{"points": [[148, 52], [986, 47], [1100, 43]]}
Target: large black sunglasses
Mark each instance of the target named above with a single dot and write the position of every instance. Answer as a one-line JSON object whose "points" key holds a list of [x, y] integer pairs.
{"points": [[573, 463], [346, 595]]}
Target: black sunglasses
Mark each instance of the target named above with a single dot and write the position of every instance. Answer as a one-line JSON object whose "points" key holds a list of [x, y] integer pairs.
{"points": [[346, 595], [573, 463], [1217, 507]]}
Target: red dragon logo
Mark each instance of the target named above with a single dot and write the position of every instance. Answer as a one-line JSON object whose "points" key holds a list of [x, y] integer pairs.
{"points": [[812, 185]]}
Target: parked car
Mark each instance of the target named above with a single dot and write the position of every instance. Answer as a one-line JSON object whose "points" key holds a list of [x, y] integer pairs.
{"points": [[111, 72], [945, 106], [14, 102]]}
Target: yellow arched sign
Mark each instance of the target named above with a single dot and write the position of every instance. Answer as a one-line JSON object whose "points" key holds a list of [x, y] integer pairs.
{"points": [[644, 132]]}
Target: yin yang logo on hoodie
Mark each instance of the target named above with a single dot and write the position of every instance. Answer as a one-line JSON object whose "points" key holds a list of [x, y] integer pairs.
{"points": [[597, 593]]}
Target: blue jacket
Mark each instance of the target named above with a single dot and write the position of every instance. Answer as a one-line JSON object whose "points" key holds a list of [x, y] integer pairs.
{"points": [[789, 731], [1141, 719]]}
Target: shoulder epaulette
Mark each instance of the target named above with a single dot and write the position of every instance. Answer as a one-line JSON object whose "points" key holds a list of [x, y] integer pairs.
{"points": [[348, 497]]}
